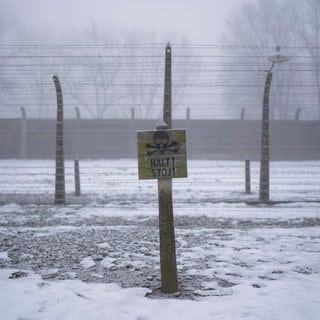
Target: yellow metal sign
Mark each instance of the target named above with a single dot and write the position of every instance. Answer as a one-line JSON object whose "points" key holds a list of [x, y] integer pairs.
{"points": [[162, 154]]}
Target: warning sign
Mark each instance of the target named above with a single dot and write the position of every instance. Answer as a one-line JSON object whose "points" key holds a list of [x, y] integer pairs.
{"points": [[162, 154]]}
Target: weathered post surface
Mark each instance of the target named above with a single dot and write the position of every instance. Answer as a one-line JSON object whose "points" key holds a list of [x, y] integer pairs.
{"points": [[265, 143], [23, 133], [248, 181], [162, 156], [60, 194], [77, 178], [264, 158], [168, 264]]}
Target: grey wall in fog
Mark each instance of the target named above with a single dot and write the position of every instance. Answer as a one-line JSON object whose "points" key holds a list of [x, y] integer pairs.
{"points": [[206, 139]]}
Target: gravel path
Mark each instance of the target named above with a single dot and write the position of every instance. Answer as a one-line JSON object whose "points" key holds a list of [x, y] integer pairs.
{"points": [[213, 254]]}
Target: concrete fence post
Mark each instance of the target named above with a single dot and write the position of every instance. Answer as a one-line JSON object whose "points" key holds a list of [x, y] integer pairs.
{"points": [[23, 133], [77, 178], [77, 142], [243, 111], [60, 193], [248, 177], [188, 113], [264, 194]]}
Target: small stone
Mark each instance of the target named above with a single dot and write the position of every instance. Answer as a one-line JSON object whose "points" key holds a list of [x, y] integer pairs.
{"points": [[18, 274], [97, 258], [42, 284]]}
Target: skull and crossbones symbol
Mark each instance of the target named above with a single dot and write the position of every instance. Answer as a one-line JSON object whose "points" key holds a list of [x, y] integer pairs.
{"points": [[161, 144]]}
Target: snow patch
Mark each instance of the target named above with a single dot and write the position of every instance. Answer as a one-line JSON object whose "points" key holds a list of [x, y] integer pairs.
{"points": [[103, 245], [11, 208], [4, 256], [87, 263], [108, 262]]}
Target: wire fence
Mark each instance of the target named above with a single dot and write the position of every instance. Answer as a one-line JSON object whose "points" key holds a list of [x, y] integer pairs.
{"points": [[105, 85], [110, 80]]}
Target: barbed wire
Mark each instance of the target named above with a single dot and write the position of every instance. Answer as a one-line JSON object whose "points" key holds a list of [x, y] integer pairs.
{"points": [[136, 69], [151, 45]]}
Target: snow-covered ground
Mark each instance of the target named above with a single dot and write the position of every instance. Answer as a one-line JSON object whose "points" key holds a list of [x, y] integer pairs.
{"points": [[98, 256]]}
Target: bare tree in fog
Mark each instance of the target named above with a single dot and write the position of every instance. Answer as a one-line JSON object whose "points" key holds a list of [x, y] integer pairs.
{"points": [[143, 74], [260, 27], [91, 81], [305, 17], [185, 73], [6, 84], [32, 77], [31, 68], [120, 70]]}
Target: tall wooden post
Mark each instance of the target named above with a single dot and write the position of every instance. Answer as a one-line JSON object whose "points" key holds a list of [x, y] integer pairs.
{"points": [[264, 158], [168, 263], [167, 101], [23, 133], [60, 196]]}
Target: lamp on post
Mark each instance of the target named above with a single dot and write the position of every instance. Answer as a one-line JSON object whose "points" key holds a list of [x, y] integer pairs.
{"points": [[264, 158]]}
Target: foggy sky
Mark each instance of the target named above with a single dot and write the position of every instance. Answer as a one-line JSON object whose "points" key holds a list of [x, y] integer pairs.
{"points": [[201, 21]]}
